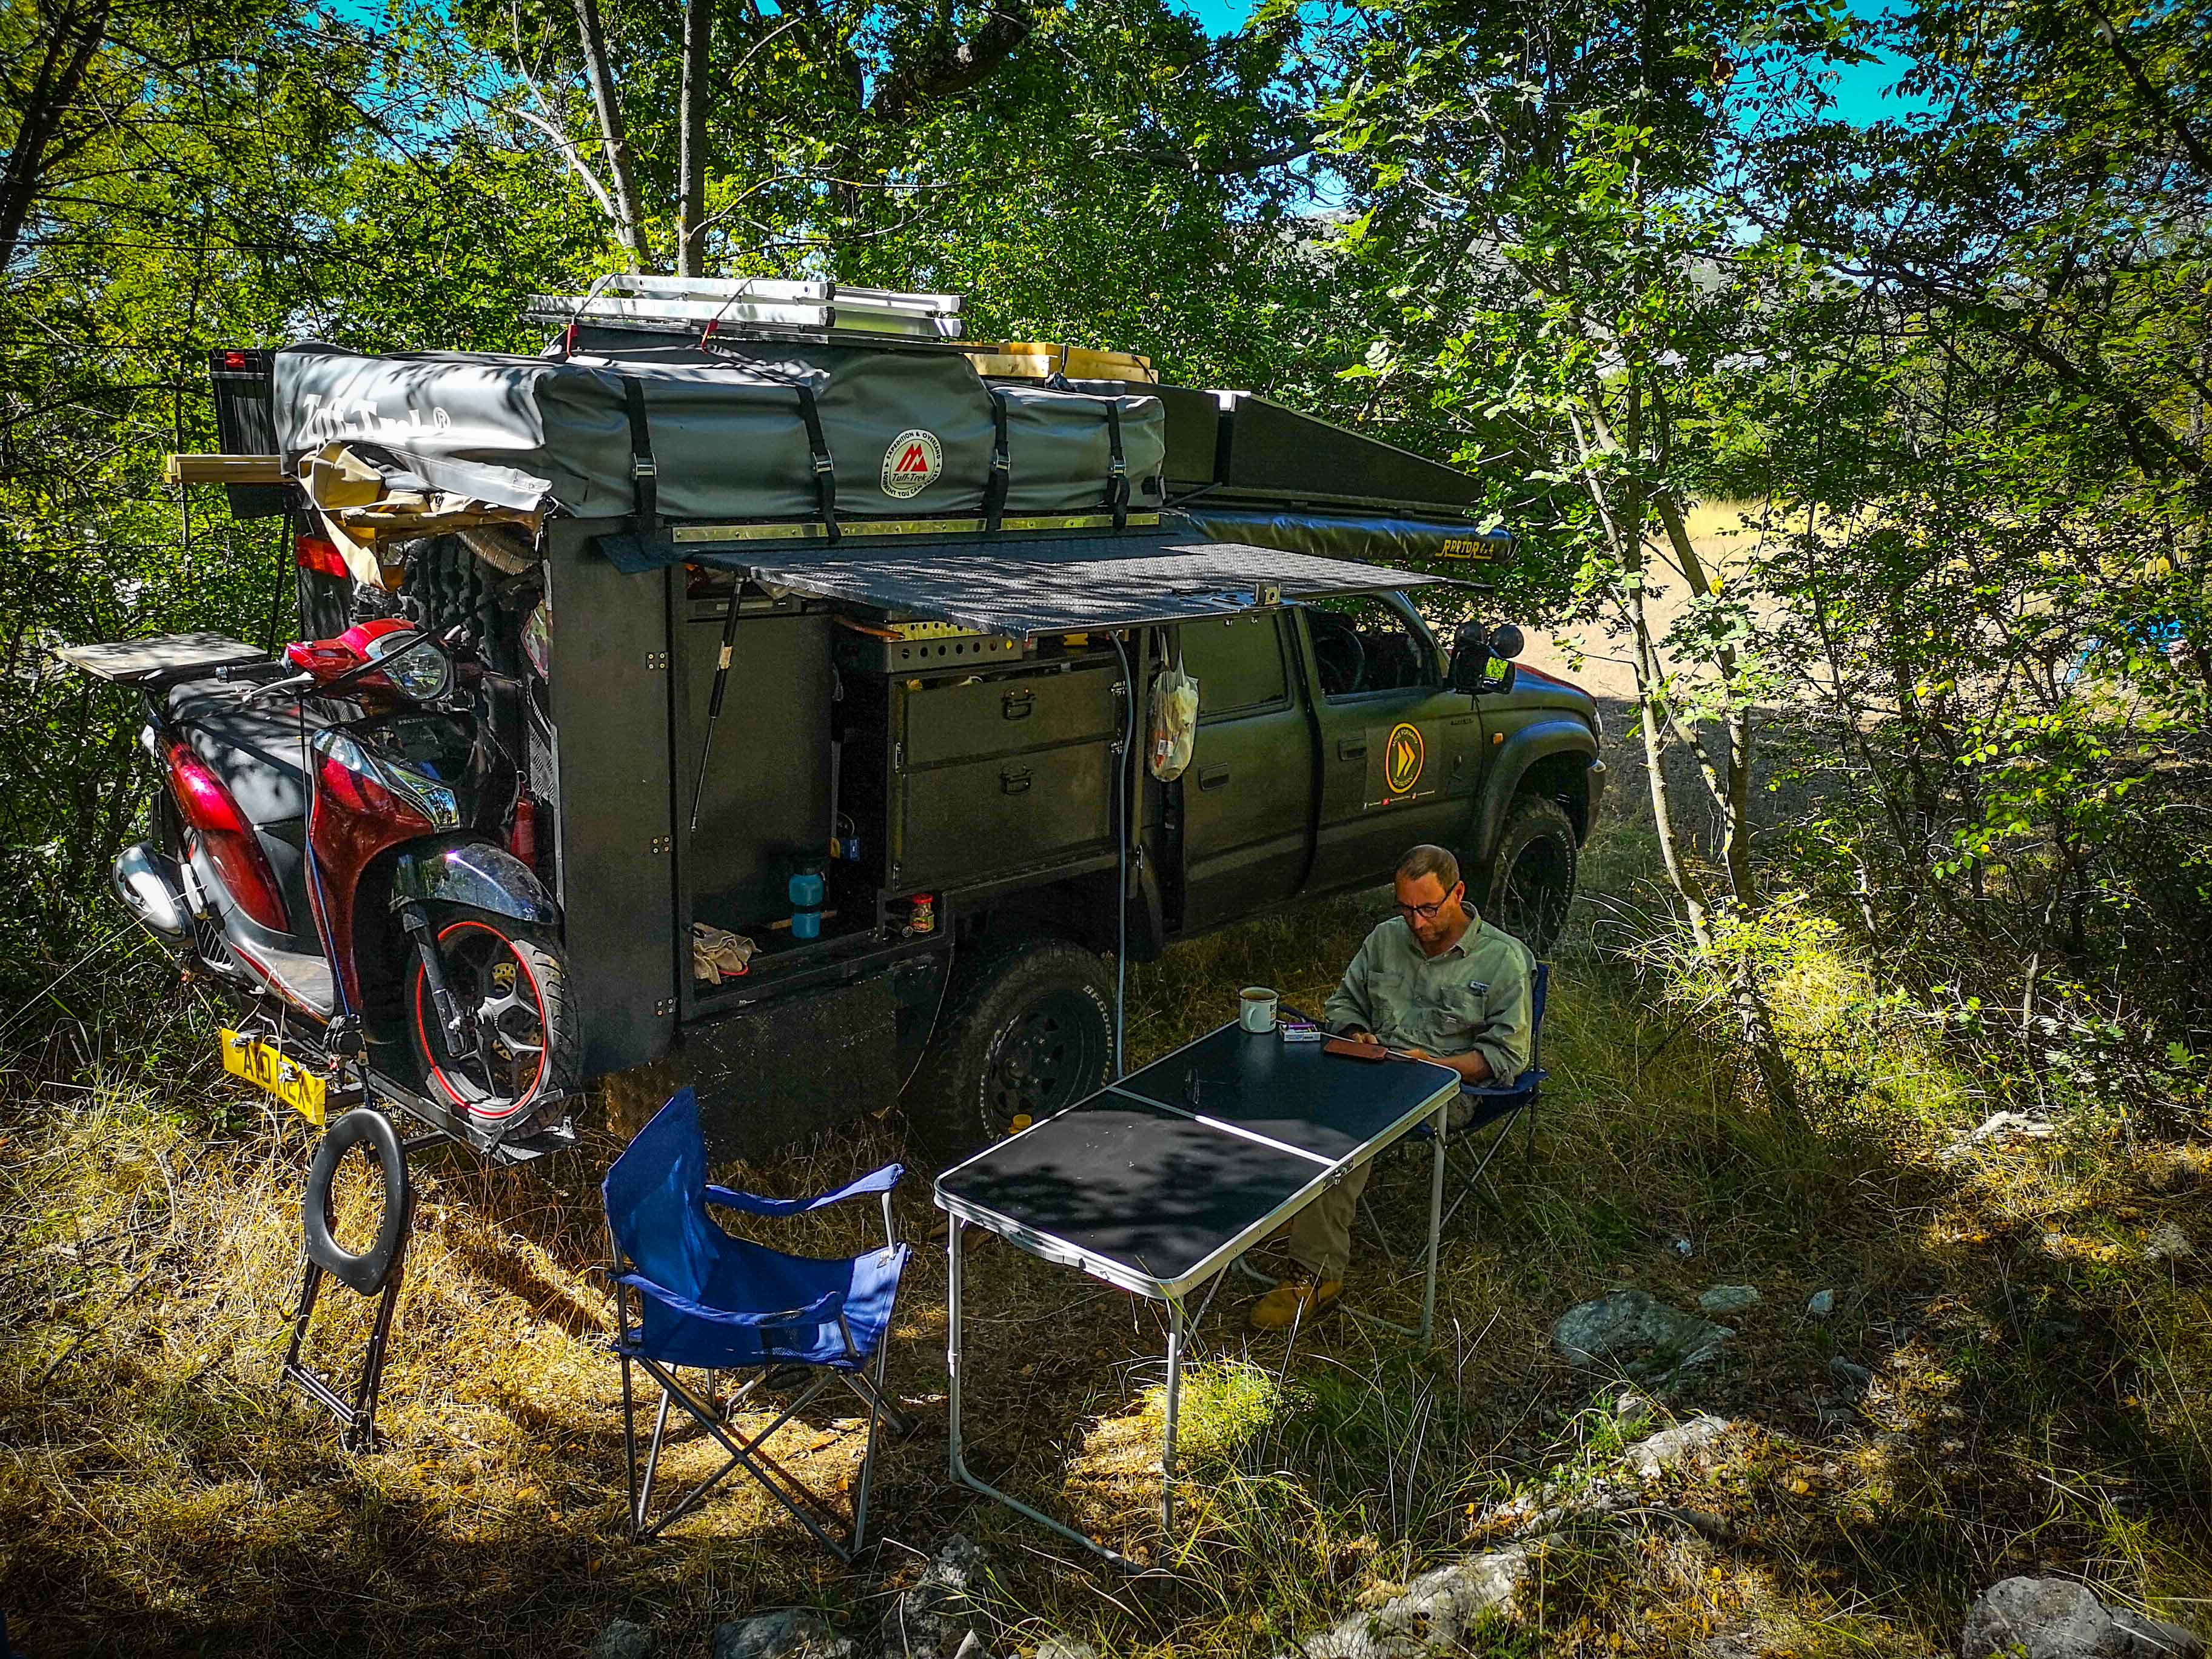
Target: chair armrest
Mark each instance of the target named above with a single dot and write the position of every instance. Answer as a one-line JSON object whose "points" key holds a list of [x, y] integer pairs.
{"points": [[877, 1181], [821, 1311], [1521, 1084]]}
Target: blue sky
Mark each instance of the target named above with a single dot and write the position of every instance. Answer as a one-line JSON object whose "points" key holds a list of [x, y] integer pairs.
{"points": [[1858, 92]]}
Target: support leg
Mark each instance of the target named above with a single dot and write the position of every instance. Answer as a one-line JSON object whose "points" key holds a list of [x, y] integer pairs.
{"points": [[629, 1443], [1167, 1428], [310, 1287], [1435, 1221], [652, 1457], [952, 1345]]}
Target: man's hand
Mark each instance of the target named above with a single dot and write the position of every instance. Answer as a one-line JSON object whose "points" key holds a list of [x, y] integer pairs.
{"points": [[1368, 1037]]}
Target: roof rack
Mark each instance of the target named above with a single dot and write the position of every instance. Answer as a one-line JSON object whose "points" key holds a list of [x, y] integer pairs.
{"points": [[719, 304]]}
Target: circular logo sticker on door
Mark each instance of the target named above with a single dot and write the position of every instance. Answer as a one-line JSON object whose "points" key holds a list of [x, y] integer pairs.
{"points": [[912, 462], [1403, 757]]}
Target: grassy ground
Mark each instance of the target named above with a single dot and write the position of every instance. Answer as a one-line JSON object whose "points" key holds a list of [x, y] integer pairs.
{"points": [[2035, 1318]]}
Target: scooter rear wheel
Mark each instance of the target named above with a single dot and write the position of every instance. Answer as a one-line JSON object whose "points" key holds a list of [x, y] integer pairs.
{"points": [[523, 1047]]}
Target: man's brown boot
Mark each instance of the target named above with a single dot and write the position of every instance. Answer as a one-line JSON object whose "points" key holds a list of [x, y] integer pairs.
{"points": [[1295, 1301]]}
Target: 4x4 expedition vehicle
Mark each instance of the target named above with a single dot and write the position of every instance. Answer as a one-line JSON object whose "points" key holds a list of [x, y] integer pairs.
{"points": [[825, 644]]}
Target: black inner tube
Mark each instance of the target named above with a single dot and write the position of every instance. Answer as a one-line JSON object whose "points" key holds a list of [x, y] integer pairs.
{"points": [[364, 1273]]}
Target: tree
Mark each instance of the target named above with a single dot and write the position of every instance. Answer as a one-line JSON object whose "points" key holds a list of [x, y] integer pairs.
{"points": [[1552, 193]]}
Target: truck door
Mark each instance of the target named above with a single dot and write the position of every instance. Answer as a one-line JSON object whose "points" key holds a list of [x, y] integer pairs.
{"points": [[1401, 754], [1248, 795]]}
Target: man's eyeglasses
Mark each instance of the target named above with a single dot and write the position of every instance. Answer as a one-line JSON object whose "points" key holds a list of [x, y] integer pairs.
{"points": [[1424, 912]]}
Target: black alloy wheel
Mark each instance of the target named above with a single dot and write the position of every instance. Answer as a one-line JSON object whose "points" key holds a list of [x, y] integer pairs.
{"points": [[518, 1046], [1027, 1030], [1048, 1058]]}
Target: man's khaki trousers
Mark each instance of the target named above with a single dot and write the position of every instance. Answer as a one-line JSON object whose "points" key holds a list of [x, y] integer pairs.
{"points": [[1320, 1234]]}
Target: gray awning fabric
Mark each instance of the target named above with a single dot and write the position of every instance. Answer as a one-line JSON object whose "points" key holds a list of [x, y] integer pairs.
{"points": [[1023, 589]]}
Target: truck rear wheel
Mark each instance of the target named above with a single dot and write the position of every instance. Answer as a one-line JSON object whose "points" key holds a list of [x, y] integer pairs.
{"points": [[1532, 875], [1028, 1030]]}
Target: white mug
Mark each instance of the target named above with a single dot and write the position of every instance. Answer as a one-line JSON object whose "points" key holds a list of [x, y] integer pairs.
{"points": [[1256, 1008]]}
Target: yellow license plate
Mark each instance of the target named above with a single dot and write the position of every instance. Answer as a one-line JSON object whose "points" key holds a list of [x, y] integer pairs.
{"points": [[263, 1067]]}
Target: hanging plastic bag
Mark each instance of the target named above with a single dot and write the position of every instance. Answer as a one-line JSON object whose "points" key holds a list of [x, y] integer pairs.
{"points": [[1174, 722], [537, 637]]}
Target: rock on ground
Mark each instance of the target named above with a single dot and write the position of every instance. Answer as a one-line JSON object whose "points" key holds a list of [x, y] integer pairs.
{"points": [[624, 1640], [1820, 1303], [1062, 1647], [1434, 1614], [1627, 1324], [935, 1618], [2167, 1242], [786, 1631], [2058, 1618], [1729, 1298], [1654, 1455]]}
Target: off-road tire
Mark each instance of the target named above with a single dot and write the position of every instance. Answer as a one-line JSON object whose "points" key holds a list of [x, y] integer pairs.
{"points": [[1532, 873], [1027, 1031], [542, 979]]}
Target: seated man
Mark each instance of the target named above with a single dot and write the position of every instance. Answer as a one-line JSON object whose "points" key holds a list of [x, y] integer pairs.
{"points": [[1436, 981]]}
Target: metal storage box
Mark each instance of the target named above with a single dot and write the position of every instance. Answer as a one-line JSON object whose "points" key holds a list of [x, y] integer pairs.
{"points": [[978, 776]]}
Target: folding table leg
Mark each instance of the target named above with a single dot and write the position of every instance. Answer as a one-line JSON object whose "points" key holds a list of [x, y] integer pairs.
{"points": [[1442, 1124], [952, 1345], [1167, 1427], [967, 1477]]}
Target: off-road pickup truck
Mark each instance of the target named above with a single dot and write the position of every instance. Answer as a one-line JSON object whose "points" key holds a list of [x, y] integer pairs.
{"points": [[824, 657]]}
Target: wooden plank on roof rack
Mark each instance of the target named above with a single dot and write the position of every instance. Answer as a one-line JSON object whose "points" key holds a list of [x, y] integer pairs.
{"points": [[1037, 359], [225, 470]]}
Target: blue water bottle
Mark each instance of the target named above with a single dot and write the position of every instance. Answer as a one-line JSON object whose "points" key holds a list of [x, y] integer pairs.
{"points": [[806, 904]]}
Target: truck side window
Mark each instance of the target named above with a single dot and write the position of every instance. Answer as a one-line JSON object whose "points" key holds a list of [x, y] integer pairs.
{"points": [[1363, 644], [1238, 664]]}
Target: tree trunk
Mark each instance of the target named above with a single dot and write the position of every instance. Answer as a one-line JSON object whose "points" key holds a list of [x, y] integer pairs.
{"points": [[1731, 791], [691, 159], [72, 39], [629, 225]]}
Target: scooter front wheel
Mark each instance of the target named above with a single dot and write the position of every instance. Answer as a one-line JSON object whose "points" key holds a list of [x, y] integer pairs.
{"points": [[517, 1048]]}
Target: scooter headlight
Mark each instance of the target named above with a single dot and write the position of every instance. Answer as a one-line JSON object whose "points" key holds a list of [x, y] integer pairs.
{"points": [[413, 663], [426, 796]]}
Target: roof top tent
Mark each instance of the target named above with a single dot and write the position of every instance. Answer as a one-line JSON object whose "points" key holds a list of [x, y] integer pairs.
{"points": [[816, 580]]}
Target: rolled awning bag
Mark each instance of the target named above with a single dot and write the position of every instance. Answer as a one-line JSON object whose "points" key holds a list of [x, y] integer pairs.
{"points": [[910, 433]]}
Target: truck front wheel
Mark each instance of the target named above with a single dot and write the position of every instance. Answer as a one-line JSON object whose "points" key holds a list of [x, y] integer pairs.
{"points": [[1532, 875], [1028, 1030]]}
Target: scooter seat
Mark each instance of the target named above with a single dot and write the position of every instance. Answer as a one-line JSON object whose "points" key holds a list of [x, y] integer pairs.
{"points": [[256, 751]]}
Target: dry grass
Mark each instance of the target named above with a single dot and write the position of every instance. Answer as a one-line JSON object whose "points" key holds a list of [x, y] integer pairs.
{"points": [[2039, 1397]]}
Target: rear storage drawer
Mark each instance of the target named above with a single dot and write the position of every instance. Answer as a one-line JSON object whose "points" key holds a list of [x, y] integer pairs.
{"points": [[954, 781], [954, 720], [972, 820]]}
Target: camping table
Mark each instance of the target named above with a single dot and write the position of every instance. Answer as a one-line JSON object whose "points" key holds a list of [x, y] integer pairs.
{"points": [[1157, 1183]]}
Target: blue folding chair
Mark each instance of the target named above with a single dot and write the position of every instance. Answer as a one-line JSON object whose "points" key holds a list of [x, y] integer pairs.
{"points": [[1503, 1103], [713, 1303]]}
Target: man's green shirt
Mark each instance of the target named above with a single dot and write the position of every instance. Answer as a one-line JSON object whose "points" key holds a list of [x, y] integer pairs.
{"points": [[1473, 999]]}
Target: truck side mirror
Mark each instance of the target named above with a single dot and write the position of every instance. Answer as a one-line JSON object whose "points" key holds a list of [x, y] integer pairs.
{"points": [[1482, 657]]}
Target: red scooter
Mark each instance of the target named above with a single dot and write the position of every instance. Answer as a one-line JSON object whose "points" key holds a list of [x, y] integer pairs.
{"points": [[349, 839]]}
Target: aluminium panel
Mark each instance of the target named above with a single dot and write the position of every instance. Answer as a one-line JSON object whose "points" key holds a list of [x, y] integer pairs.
{"points": [[609, 690]]}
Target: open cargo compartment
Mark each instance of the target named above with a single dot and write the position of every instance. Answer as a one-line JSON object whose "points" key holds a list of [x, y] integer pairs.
{"points": [[962, 704]]}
